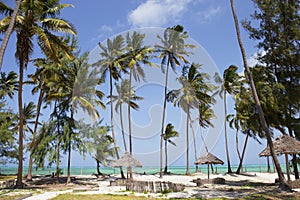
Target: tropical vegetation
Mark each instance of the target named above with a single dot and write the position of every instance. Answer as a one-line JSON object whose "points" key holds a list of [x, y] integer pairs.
{"points": [[70, 88]]}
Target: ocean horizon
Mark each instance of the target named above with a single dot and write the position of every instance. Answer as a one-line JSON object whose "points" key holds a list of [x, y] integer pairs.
{"points": [[89, 170]]}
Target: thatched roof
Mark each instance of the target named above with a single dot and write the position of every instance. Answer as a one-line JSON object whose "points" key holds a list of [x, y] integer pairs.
{"points": [[209, 158], [126, 161], [283, 145]]}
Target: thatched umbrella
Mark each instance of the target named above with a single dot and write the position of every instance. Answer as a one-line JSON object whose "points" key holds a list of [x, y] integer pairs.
{"points": [[126, 161], [209, 158], [286, 145]]}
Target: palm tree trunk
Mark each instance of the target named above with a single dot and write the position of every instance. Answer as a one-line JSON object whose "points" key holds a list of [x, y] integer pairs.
{"points": [[283, 183], [202, 138], [9, 31], [294, 159], [268, 163], [19, 183], [122, 127], [187, 144], [98, 168], [129, 121], [166, 157], [58, 157], [58, 144], [195, 144], [69, 145], [226, 137], [112, 120], [242, 157], [29, 175], [295, 166], [237, 143], [163, 121]]}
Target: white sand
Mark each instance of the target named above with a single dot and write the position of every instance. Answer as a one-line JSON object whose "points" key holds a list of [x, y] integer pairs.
{"points": [[206, 191]]}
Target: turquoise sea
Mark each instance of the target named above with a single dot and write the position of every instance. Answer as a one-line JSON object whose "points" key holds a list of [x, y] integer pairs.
{"points": [[147, 170]]}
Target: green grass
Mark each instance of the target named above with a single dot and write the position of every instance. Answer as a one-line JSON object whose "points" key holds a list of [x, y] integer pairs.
{"points": [[12, 197], [7, 177]]}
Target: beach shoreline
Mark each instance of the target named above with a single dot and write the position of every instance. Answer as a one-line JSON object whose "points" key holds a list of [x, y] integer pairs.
{"points": [[235, 186]]}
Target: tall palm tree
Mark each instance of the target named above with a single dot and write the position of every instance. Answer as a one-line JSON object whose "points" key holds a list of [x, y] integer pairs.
{"points": [[230, 85], [112, 55], [172, 52], [281, 177], [36, 18], [10, 28], [123, 97], [187, 98], [136, 55], [78, 89], [205, 115], [167, 136], [45, 69]]}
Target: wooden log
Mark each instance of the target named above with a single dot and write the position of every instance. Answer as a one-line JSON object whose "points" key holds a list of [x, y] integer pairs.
{"points": [[218, 181]]}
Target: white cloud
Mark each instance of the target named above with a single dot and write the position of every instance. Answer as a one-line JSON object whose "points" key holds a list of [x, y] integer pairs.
{"points": [[157, 12], [253, 60], [105, 28], [209, 13]]}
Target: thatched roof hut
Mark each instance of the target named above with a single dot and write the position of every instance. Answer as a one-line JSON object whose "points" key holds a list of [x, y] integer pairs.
{"points": [[286, 145], [126, 161], [208, 159]]}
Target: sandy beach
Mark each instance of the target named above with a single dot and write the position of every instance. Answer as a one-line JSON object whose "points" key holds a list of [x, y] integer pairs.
{"points": [[235, 186]]}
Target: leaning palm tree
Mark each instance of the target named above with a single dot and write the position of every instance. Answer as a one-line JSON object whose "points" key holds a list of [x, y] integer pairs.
{"points": [[111, 57], [229, 85], [172, 52], [10, 28], [281, 177], [35, 18], [167, 136]]}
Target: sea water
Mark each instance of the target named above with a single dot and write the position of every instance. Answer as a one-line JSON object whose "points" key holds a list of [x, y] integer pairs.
{"points": [[80, 170]]}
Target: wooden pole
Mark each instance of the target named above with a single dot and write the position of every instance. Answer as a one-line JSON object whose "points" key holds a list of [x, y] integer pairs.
{"points": [[287, 167], [208, 171]]}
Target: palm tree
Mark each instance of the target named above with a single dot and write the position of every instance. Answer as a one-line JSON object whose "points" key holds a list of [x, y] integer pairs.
{"points": [[137, 54], [35, 18], [8, 84], [9, 28], [229, 84], [123, 97], [237, 121], [172, 52], [283, 182], [167, 136], [187, 98], [77, 89], [111, 55], [29, 113], [45, 69], [205, 115]]}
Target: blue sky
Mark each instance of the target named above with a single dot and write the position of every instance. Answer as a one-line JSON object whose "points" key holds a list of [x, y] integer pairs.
{"points": [[209, 24]]}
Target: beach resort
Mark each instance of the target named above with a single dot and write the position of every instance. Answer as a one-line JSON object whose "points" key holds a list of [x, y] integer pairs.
{"points": [[149, 99]]}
